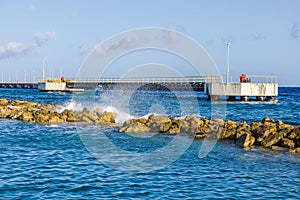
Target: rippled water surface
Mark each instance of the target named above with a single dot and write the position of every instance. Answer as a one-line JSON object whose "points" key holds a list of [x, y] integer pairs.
{"points": [[52, 161]]}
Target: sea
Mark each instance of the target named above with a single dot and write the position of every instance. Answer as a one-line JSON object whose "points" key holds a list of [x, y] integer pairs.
{"points": [[75, 161]]}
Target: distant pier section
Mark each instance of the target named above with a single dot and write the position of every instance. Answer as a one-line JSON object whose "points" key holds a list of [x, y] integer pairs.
{"points": [[23, 85]]}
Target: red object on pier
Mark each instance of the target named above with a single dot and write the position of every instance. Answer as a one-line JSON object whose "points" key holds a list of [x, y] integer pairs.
{"points": [[243, 78], [62, 79]]}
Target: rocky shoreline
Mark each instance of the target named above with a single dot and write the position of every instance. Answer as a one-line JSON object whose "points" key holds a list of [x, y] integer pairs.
{"points": [[267, 133]]}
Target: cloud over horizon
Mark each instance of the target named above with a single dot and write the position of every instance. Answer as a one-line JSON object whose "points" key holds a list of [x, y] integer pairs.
{"points": [[41, 38], [295, 31], [16, 49]]}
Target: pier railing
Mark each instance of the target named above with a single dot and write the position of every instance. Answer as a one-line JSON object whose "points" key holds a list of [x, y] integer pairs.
{"points": [[262, 79], [189, 79]]}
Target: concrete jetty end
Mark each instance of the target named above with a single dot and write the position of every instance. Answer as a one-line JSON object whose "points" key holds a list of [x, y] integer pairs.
{"points": [[244, 90], [260, 91]]}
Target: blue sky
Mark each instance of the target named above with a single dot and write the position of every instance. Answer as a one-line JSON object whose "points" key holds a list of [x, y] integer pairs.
{"points": [[264, 34]]}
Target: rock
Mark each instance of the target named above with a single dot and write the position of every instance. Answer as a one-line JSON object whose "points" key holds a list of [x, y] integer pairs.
{"points": [[297, 131], [175, 126], [296, 150], [159, 123], [272, 139], [27, 117], [15, 114], [292, 135], [242, 129], [227, 134], [285, 128], [279, 122], [106, 118], [297, 141], [3, 102], [93, 116], [191, 125], [135, 128], [287, 143], [144, 121], [41, 118], [5, 113], [278, 148], [85, 119], [54, 120], [267, 120], [245, 140], [264, 131]]}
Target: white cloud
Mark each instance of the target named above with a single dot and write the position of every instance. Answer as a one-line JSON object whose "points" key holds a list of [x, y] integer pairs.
{"points": [[171, 35], [41, 38], [256, 37], [84, 49], [295, 31], [13, 49], [31, 7]]}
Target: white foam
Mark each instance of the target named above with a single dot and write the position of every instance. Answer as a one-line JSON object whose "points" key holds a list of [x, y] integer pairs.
{"points": [[121, 116]]}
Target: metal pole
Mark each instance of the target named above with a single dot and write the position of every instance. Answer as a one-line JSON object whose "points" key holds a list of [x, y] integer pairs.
{"points": [[24, 76], [227, 68], [44, 61]]}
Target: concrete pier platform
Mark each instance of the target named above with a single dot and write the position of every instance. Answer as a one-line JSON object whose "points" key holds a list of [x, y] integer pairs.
{"points": [[244, 91]]}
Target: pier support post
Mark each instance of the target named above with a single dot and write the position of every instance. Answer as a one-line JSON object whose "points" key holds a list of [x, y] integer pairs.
{"points": [[260, 98], [214, 97], [244, 98]]}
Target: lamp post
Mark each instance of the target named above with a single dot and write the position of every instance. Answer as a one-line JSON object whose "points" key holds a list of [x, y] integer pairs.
{"points": [[227, 68]]}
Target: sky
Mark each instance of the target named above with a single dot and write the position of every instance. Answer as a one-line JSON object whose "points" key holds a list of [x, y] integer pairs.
{"points": [[264, 34]]}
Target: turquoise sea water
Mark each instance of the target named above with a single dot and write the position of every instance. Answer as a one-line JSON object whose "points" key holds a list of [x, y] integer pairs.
{"points": [[52, 161]]}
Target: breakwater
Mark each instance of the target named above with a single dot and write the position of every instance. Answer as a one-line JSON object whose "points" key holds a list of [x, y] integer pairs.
{"points": [[267, 133]]}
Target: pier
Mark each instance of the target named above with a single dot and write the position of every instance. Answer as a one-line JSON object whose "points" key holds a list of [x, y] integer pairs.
{"points": [[258, 88], [23, 85]]}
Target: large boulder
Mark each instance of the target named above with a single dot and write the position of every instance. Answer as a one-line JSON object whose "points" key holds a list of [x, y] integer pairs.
{"points": [[229, 130], [41, 117], [106, 118], [27, 117], [245, 140], [267, 120], [296, 150], [174, 126], [242, 129], [16, 114], [5, 113], [285, 129], [285, 142], [54, 120], [263, 132], [272, 139], [3, 102], [136, 127], [159, 123]]}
